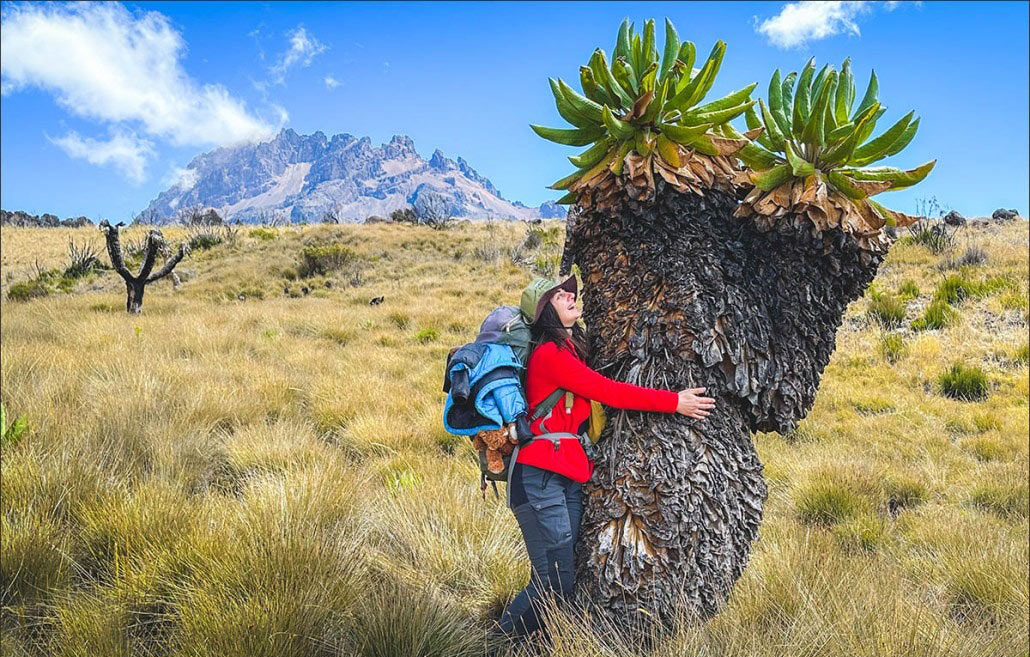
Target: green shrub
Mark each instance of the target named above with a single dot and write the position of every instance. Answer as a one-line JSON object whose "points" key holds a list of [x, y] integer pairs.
{"points": [[966, 383], [938, 315], [321, 259], [892, 347], [908, 290], [887, 310], [427, 335], [12, 435], [263, 234], [27, 290]]}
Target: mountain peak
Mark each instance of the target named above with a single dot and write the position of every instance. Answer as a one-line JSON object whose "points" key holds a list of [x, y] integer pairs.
{"points": [[305, 176], [404, 141]]}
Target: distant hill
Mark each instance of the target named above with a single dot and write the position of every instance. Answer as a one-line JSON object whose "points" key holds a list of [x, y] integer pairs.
{"points": [[19, 218], [305, 176]]}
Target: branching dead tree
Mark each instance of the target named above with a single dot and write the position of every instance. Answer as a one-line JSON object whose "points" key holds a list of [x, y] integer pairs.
{"points": [[135, 285]]}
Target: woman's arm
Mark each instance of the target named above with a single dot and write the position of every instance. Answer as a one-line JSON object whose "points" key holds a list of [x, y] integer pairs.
{"points": [[565, 371]]}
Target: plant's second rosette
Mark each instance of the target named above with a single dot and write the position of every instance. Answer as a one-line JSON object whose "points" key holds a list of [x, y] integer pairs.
{"points": [[641, 118], [810, 166]]}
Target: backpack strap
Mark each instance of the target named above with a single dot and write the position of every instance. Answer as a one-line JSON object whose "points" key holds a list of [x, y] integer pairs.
{"points": [[548, 403]]}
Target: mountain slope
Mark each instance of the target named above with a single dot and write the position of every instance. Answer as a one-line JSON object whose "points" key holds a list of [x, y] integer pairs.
{"points": [[307, 175]]}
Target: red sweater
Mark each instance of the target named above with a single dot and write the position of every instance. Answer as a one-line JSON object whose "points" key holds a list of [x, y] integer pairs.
{"points": [[551, 368]]}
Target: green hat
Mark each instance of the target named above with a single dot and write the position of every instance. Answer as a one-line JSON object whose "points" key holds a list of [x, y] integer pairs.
{"points": [[540, 291]]}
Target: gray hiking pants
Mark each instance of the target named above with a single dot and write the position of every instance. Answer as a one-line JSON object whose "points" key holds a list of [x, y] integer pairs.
{"points": [[547, 507]]}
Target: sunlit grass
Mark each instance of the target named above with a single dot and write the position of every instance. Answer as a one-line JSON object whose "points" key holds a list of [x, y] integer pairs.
{"points": [[268, 475]]}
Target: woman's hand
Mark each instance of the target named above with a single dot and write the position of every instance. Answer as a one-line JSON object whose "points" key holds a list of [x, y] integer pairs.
{"points": [[693, 406]]}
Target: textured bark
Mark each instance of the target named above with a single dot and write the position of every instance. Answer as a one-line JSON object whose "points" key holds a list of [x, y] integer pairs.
{"points": [[679, 293]]}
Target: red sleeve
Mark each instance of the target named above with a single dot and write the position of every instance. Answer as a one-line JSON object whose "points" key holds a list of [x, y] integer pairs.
{"points": [[564, 370]]}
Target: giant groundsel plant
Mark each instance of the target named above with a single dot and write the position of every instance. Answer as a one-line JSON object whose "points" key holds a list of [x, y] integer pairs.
{"points": [[645, 112], [700, 272], [814, 156]]}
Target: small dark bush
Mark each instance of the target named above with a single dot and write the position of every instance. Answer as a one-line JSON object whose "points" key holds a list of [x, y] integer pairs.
{"points": [[972, 257], [27, 290], [83, 260], [204, 241], [934, 235], [404, 216], [964, 382], [320, 259]]}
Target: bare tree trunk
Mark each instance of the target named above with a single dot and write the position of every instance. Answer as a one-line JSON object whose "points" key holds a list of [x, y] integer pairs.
{"points": [[680, 294], [134, 296], [135, 284]]}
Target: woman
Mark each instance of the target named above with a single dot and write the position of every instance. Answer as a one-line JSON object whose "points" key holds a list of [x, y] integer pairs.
{"points": [[545, 481]]}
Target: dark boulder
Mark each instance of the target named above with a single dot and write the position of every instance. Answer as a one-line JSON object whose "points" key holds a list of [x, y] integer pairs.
{"points": [[953, 218], [1001, 214]]}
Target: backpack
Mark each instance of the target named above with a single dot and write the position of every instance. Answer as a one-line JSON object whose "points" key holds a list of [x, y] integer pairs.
{"points": [[505, 326]]}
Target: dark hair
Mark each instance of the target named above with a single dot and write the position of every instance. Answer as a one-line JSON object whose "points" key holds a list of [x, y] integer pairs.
{"points": [[548, 328]]}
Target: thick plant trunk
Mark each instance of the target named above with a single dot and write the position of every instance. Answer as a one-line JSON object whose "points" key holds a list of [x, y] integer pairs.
{"points": [[679, 294], [134, 296]]}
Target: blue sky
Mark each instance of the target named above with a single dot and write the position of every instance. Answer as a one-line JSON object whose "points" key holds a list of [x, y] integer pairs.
{"points": [[103, 106]]}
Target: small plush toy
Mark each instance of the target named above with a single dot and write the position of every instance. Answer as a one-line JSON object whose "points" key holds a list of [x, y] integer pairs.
{"points": [[498, 443]]}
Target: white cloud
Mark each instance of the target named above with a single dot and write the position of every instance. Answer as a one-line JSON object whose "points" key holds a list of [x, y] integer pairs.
{"points": [[331, 82], [303, 49], [102, 62], [811, 20], [125, 151], [181, 178]]}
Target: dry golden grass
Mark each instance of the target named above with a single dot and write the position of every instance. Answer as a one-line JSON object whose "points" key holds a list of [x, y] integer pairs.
{"points": [[252, 469]]}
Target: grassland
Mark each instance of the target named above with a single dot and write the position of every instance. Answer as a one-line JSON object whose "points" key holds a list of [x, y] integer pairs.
{"points": [[256, 465]]}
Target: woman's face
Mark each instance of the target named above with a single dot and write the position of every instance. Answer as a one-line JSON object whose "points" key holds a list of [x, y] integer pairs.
{"points": [[565, 305]]}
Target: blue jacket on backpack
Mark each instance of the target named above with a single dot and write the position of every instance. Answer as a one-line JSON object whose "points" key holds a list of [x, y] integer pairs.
{"points": [[484, 389]]}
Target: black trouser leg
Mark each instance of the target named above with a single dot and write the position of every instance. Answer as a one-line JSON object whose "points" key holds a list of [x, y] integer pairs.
{"points": [[549, 521]]}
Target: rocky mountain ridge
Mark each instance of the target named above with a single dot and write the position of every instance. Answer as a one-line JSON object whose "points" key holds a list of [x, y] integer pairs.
{"points": [[304, 177]]}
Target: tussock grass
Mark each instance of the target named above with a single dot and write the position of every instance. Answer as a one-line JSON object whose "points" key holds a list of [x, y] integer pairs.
{"points": [[269, 475], [887, 310], [965, 382]]}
